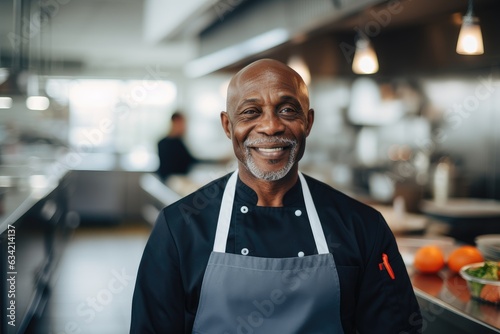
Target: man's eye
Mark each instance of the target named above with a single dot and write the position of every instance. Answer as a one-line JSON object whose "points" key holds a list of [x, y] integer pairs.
{"points": [[249, 112], [287, 111]]}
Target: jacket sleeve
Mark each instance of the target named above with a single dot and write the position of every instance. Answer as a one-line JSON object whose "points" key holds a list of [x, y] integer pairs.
{"points": [[158, 300], [386, 303]]}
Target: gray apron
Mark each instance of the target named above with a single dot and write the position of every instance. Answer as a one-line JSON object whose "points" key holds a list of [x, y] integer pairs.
{"points": [[245, 294]]}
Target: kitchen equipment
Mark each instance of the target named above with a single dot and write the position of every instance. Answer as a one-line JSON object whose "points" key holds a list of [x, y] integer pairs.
{"points": [[489, 246], [442, 180], [465, 218]]}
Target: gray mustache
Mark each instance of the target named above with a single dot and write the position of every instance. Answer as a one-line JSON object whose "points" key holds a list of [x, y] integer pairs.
{"points": [[270, 141]]}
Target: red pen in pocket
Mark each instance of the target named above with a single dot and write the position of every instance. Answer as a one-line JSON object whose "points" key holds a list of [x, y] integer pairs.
{"points": [[385, 263]]}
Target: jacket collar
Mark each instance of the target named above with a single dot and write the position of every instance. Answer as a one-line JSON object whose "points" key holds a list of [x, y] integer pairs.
{"points": [[293, 197]]}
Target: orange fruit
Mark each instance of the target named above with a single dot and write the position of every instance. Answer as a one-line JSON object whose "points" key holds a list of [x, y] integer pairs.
{"points": [[462, 256], [429, 259]]}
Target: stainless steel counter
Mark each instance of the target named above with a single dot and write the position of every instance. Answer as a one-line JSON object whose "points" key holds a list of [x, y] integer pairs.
{"points": [[34, 212], [20, 190], [24, 184], [444, 298]]}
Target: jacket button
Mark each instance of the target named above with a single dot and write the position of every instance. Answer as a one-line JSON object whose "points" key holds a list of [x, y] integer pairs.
{"points": [[244, 251], [244, 209], [301, 254], [298, 213]]}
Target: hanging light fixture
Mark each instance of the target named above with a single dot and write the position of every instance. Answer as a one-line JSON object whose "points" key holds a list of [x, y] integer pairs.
{"points": [[36, 100], [298, 64], [365, 59], [5, 102], [470, 39]]}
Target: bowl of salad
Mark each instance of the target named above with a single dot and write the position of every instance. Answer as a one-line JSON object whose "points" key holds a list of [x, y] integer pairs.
{"points": [[483, 280]]}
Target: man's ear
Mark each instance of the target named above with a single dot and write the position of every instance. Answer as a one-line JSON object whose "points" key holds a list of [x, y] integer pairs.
{"points": [[310, 121], [226, 123]]}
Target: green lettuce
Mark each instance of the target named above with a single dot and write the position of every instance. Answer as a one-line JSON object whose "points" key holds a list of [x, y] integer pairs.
{"points": [[487, 271]]}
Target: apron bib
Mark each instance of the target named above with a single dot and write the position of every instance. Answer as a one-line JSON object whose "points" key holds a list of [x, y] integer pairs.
{"points": [[246, 294]]}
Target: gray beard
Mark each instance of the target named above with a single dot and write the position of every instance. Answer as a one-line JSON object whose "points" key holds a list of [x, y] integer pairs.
{"points": [[275, 175]]}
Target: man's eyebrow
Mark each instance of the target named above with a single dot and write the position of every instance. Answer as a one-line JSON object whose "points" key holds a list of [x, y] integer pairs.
{"points": [[287, 98], [248, 101], [291, 99], [252, 100]]}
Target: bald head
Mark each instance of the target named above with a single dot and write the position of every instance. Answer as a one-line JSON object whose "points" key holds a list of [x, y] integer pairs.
{"points": [[265, 71]]}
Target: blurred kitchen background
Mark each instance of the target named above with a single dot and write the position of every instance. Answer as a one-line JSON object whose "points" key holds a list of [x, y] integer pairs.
{"points": [[87, 89]]}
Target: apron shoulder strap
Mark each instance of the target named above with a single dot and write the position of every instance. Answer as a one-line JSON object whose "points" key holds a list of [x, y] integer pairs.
{"points": [[225, 212], [312, 213]]}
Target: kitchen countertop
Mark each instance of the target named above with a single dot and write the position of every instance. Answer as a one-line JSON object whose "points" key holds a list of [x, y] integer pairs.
{"points": [[20, 190], [448, 292], [445, 294], [26, 178]]}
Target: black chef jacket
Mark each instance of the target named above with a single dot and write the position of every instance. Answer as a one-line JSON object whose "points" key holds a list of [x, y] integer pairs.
{"points": [[169, 280]]}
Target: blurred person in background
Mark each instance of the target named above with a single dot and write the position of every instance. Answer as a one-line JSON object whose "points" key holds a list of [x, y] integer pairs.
{"points": [[266, 249], [173, 154]]}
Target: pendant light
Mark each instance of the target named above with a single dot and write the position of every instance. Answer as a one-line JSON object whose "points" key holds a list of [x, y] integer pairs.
{"points": [[470, 39], [5, 102], [36, 100], [365, 59]]}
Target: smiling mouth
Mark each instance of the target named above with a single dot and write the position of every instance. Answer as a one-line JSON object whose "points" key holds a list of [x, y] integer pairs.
{"points": [[271, 152], [270, 149]]}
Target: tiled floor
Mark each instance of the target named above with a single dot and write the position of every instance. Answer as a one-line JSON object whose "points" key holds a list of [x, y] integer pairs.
{"points": [[95, 281]]}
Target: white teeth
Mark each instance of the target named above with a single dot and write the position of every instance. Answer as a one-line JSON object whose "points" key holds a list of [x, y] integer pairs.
{"points": [[274, 149]]}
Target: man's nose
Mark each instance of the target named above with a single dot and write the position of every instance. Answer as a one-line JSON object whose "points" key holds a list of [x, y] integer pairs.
{"points": [[271, 124]]}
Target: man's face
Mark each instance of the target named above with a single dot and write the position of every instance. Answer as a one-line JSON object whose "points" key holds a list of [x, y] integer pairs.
{"points": [[268, 120]]}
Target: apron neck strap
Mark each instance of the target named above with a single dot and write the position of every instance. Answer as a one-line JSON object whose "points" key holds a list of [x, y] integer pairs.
{"points": [[312, 213], [226, 209]]}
